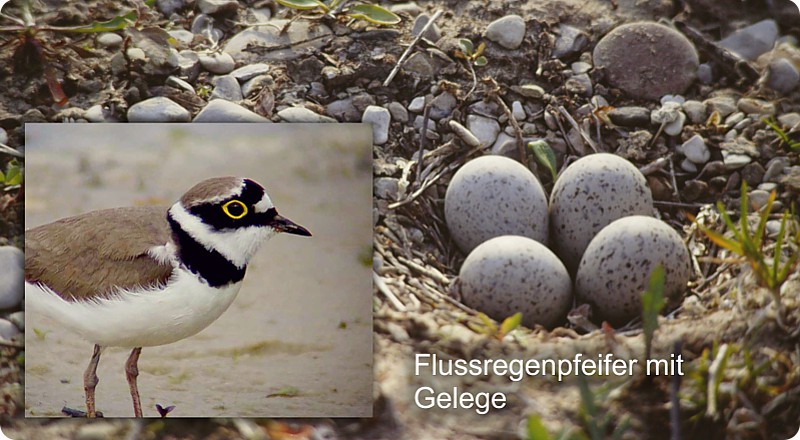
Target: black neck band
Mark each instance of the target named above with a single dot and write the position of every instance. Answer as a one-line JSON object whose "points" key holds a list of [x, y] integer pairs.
{"points": [[208, 264]]}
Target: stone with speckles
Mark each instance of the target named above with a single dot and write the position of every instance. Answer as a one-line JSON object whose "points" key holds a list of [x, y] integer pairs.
{"points": [[616, 267], [511, 274], [591, 193], [492, 196]]}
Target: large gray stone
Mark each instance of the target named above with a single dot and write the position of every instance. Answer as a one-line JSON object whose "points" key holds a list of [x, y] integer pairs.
{"points": [[647, 60]]}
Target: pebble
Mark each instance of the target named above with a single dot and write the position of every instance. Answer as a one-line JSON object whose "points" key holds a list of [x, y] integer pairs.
{"points": [[753, 40], [734, 161], [464, 134], [95, 113], [485, 129], [169, 7], [724, 105], [579, 67], [695, 110], [442, 105], [775, 168], [399, 113], [753, 174], [201, 24], [789, 120], [343, 110], [570, 41], [688, 166], [694, 189], [517, 111], [380, 118], [734, 118], [666, 113], [696, 150], [12, 288], [672, 98], [507, 31], [647, 60], [505, 145], [432, 34], [220, 110], [109, 39], [219, 63], [174, 81], [386, 188], [18, 319], [212, 7], [226, 87], [769, 186], [758, 198], [431, 127], [630, 116], [188, 65], [182, 36], [302, 114], [8, 329], [773, 227], [4, 135], [529, 91], [580, 85], [253, 84], [158, 109], [753, 106], [417, 104], [250, 71], [783, 76], [705, 73], [744, 123], [271, 43]]}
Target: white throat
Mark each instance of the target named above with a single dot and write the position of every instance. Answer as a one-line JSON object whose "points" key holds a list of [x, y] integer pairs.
{"points": [[237, 245]]}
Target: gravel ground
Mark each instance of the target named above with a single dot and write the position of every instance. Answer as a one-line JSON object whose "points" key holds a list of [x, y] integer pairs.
{"points": [[683, 97]]}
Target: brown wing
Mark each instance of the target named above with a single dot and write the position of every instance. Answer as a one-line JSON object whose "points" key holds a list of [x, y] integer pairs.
{"points": [[87, 255]]}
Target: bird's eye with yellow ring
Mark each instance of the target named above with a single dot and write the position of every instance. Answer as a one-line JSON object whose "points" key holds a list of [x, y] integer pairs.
{"points": [[235, 209]]}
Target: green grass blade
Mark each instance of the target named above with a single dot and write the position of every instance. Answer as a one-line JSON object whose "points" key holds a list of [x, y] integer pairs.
{"points": [[652, 303], [535, 429], [117, 23]]}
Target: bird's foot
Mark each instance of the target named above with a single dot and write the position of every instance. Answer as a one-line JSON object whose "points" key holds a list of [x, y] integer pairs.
{"points": [[77, 413], [164, 411]]}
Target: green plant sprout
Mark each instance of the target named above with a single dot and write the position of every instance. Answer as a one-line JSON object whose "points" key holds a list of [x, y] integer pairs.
{"points": [[544, 155], [33, 55], [771, 272], [488, 327], [472, 56], [794, 145], [467, 51], [360, 11], [594, 421], [652, 303]]}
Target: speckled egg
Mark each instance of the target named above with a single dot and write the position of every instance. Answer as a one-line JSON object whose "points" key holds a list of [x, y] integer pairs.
{"points": [[616, 267], [591, 193], [510, 274], [492, 196]]}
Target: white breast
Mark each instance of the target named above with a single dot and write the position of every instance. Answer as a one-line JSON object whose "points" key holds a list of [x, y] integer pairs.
{"points": [[137, 319]]}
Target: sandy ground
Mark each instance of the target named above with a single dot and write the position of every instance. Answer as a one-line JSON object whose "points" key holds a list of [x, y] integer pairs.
{"points": [[303, 319]]}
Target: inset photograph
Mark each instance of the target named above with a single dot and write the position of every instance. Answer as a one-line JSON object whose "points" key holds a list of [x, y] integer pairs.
{"points": [[218, 270]]}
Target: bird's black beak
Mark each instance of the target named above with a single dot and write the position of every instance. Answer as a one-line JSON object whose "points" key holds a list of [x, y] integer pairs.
{"points": [[283, 224]]}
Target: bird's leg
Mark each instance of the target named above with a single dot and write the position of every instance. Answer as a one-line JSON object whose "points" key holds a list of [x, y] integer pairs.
{"points": [[90, 382], [131, 372]]}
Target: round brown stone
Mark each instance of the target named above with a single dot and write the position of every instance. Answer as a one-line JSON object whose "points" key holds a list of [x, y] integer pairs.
{"points": [[647, 60]]}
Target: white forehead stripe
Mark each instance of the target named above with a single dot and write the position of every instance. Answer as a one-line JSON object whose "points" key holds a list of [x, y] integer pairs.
{"points": [[264, 204]]}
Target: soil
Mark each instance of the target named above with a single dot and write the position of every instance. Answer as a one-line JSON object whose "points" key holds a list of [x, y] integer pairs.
{"points": [[416, 261]]}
